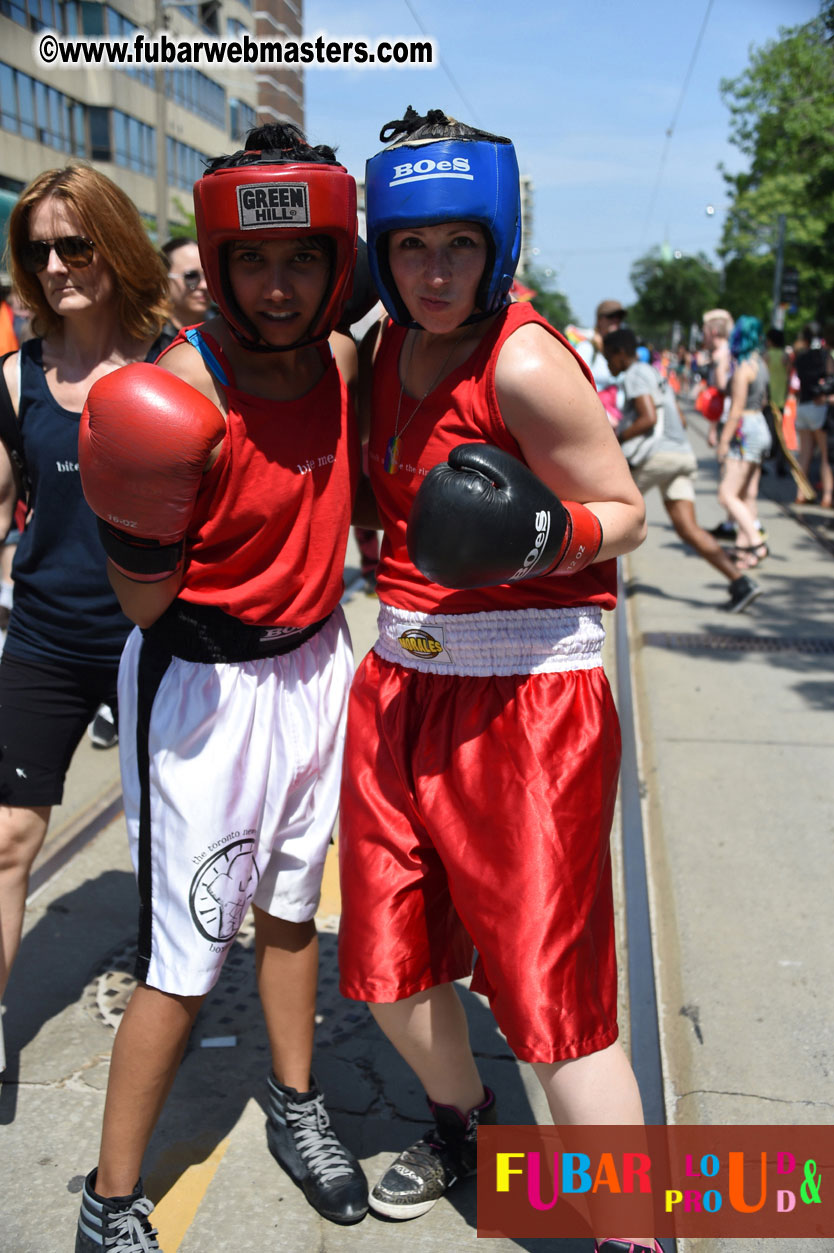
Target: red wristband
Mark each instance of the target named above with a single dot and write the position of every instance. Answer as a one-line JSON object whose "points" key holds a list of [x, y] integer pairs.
{"points": [[582, 542]]}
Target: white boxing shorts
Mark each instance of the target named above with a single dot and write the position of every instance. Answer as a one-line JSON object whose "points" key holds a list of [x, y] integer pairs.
{"points": [[230, 772]]}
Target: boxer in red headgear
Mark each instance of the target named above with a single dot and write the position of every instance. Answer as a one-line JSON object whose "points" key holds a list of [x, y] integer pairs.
{"points": [[223, 480]]}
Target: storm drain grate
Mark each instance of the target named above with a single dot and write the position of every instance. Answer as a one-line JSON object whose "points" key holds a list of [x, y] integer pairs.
{"points": [[737, 643], [232, 1007]]}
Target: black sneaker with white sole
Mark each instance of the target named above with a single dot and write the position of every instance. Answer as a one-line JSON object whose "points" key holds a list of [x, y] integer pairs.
{"points": [[118, 1224], [743, 590], [424, 1172], [300, 1137], [103, 730]]}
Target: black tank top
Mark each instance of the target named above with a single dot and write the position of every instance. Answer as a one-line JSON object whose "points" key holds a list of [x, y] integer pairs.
{"points": [[64, 607]]}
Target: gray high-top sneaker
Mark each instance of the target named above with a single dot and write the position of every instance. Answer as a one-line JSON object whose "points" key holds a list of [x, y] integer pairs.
{"points": [[422, 1173], [300, 1137], [116, 1223]]}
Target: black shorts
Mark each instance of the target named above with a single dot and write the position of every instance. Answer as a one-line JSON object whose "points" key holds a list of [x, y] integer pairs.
{"points": [[44, 710]]}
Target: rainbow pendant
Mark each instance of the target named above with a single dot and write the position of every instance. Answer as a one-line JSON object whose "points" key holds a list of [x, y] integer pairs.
{"points": [[392, 455]]}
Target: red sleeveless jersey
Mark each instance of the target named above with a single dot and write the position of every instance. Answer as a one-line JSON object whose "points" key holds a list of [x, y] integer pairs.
{"points": [[267, 539], [462, 409]]}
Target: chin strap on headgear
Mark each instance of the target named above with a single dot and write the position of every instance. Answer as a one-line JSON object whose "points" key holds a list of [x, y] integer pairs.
{"points": [[262, 198]]}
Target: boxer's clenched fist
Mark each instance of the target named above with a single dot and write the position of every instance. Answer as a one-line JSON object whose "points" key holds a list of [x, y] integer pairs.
{"points": [[484, 518], [144, 441]]}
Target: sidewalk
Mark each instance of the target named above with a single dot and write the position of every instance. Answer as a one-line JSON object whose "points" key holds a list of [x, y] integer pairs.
{"points": [[737, 753], [736, 760]]}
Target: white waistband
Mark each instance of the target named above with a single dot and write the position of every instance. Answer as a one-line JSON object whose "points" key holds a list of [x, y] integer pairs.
{"points": [[516, 641]]}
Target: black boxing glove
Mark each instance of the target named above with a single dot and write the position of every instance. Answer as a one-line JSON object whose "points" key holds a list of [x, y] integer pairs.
{"points": [[484, 518]]}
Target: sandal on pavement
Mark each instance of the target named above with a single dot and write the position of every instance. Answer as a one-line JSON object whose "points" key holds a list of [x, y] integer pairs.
{"points": [[747, 557]]}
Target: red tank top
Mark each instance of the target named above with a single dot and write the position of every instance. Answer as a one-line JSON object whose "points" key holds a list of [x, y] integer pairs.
{"points": [[267, 539], [463, 409]]}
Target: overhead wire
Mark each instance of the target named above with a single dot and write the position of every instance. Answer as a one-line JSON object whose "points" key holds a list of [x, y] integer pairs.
{"points": [[671, 128], [440, 61]]}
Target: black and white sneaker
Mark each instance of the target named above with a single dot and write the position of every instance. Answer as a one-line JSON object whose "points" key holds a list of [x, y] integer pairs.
{"points": [[118, 1224], [103, 730], [743, 590], [301, 1139], [725, 530], [424, 1172]]}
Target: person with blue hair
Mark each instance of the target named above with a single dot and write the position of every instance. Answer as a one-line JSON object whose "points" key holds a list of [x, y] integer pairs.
{"points": [[483, 746], [745, 441]]}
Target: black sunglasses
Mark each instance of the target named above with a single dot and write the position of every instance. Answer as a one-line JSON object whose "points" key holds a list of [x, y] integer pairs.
{"points": [[191, 279], [74, 251]]}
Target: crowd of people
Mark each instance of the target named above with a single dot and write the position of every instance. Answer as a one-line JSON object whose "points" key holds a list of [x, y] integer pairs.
{"points": [[188, 436]]}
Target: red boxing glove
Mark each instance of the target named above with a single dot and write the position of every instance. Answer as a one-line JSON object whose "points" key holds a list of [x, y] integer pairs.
{"points": [[144, 441]]}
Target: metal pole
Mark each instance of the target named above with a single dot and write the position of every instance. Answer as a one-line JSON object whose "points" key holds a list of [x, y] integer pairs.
{"points": [[778, 313], [161, 150]]}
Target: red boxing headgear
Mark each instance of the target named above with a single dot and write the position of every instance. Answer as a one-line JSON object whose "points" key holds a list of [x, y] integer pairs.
{"points": [[275, 200]]}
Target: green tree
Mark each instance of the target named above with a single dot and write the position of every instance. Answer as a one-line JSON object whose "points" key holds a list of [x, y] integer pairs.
{"points": [[548, 300], [669, 291], [782, 121]]}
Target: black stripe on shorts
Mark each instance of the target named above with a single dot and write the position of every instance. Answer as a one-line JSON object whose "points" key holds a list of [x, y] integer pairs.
{"points": [[153, 662]]}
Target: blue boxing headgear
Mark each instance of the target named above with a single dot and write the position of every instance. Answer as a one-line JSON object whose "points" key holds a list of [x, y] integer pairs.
{"points": [[426, 181]]}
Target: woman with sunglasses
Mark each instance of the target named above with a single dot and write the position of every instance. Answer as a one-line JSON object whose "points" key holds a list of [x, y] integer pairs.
{"points": [[188, 293], [82, 263]]}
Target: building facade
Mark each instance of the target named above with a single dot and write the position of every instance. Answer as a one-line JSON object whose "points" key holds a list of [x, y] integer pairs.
{"points": [[149, 129]]}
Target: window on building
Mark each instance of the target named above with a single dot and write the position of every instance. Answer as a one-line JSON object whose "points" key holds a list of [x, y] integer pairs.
{"points": [[9, 117], [242, 118], [197, 93], [120, 28], [185, 164], [16, 10], [92, 18], [134, 143], [210, 16], [69, 12], [37, 111], [101, 148], [34, 14]]}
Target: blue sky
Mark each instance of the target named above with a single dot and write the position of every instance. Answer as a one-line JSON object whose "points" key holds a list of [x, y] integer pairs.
{"points": [[586, 91]]}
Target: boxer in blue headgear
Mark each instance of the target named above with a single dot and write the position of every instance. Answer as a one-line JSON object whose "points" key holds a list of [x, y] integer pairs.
{"points": [[482, 753], [433, 169]]}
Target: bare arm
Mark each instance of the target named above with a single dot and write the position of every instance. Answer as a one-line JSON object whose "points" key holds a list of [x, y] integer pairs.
{"points": [[739, 387], [643, 423], [8, 493], [365, 511], [721, 362], [9, 487], [565, 436], [143, 603]]}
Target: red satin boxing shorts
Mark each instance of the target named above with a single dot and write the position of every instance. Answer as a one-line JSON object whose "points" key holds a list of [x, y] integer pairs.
{"points": [[476, 814]]}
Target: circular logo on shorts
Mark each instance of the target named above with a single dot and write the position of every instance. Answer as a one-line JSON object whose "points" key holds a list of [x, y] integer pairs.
{"points": [[222, 890], [420, 643]]}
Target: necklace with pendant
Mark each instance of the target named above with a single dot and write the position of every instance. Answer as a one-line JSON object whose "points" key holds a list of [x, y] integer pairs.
{"points": [[392, 450]]}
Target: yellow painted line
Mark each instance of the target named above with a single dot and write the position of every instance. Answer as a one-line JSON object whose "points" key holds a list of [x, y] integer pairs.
{"points": [[331, 900], [176, 1211]]}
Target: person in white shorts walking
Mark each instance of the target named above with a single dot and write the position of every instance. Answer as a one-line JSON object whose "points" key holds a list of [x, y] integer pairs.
{"points": [[653, 438]]}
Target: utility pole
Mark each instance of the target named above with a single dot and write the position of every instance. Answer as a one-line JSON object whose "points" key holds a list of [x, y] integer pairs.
{"points": [[778, 314], [161, 124]]}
